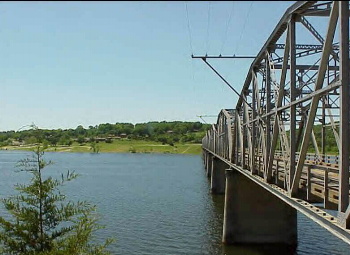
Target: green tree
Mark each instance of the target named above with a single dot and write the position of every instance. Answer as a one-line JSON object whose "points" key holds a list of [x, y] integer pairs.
{"points": [[42, 222], [80, 140], [30, 140], [53, 140], [80, 130], [94, 147], [65, 140]]}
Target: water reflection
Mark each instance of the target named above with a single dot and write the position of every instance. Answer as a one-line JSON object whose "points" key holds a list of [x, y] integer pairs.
{"points": [[258, 250], [215, 221]]}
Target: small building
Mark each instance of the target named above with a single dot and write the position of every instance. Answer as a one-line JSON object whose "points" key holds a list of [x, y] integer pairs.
{"points": [[123, 135], [100, 139], [17, 143]]}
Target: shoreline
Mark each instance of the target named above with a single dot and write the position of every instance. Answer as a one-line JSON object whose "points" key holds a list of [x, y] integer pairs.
{"points": [[139, 147]]}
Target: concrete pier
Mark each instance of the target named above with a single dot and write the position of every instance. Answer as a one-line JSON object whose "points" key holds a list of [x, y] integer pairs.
{"points": [[209, 164], [218, 178], [252, 215]]}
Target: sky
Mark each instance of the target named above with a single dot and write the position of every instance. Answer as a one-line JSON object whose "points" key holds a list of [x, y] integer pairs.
{"points": [[65, 64]]}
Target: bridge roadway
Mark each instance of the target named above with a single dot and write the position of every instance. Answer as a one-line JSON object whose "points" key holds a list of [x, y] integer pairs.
{"points": [[295, 98]]}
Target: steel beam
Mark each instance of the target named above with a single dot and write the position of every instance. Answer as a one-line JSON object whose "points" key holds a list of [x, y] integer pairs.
{"points": [[279, 46], [240, 137], [254, 144], [248, 135], [314, 32], [220, 56], [268, 118], [314, 103], [308, 67], [344, 107], [293, 95], [277, 105], [276, 34]]}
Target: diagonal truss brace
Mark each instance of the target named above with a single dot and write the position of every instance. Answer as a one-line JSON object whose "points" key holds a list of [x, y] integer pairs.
{"points": [[314, 103]]}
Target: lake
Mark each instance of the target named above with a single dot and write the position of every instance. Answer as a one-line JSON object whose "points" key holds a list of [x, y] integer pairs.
{"points": [[156, 203]]}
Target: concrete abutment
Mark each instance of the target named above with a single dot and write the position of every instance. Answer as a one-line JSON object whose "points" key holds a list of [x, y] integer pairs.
{"points": [[253, 215], [218, 178], [209, 164]]}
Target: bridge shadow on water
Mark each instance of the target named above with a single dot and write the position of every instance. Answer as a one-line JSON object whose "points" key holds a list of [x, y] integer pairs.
{"points": [[258, 250], [253, 249]]}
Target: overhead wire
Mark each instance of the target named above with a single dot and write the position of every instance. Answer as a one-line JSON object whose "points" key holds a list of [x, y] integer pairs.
{"points": [[207, 36], [225, 33], [242, 31], [243, 28], [227, 26], [191, 48], [207, 39], [203, 119], [189, 28]]}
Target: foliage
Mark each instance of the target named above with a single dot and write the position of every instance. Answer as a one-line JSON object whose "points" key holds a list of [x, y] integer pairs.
{"points": [[165, 132], [94, 147], [80, 139], [41, 222], [330, 141], [132, 149]]}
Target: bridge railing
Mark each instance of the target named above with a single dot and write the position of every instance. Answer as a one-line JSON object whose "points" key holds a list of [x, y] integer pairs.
{"points": [[320, 176], [219, 139]]}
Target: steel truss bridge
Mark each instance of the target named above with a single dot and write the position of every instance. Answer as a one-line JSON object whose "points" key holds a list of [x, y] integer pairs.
{"points": [[294, 84]]}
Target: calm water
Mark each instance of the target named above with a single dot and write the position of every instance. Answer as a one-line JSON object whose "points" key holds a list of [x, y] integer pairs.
{"points": [[156, 204]]}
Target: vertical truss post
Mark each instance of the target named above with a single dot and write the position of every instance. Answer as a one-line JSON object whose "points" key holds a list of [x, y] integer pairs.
{"points": [[248, 134], [254, 142], [240, 136], [292, 130], [236, 139], [278, 103], [214, 138], [315, 100], [268, 118], [220, 140], [344, 107], [323, 130], [245, 135], [315, 143]]}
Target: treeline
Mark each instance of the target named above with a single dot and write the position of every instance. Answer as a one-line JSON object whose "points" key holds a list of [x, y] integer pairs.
{"points": [[330, 140], [165, 132], [331, 144]]}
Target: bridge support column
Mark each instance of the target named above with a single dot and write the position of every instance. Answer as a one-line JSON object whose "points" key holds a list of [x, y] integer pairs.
{"points": [[218, 178], [253, 215], [209, 164], [204, 155]]}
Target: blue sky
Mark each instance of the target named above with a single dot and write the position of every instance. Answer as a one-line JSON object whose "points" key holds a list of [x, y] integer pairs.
{"points": [[65, 64]]}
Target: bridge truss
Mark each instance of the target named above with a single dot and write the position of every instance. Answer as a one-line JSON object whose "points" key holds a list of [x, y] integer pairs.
{"points": [[294, 84]]}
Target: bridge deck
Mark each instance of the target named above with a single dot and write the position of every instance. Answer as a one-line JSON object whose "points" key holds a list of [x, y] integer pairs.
{"points": [[314, 212]]}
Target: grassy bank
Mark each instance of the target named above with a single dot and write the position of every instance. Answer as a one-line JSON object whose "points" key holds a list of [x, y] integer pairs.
{"points": [[118, 146]]}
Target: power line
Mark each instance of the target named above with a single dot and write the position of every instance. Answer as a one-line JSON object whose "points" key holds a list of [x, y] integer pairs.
{"points": [[189, 28], [206, 116], [227, 25], [190, 42], [244, 24], [207, 42]]}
